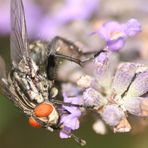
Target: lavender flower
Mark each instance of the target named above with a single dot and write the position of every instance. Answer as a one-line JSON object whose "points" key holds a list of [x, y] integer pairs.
{"points": [[137, 106], [91, 97], [132, 27], [70, 121], [112, 115], [123, 93], [115, 34], [102, 58], [123, 77], [140, 85]]}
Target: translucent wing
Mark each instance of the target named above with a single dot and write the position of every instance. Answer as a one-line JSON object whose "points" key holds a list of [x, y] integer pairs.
{"points": [[2, 68], [10, 92], [18, 37]]}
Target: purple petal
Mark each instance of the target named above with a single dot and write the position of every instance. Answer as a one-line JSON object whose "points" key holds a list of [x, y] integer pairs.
{"points": [[115, 45], [74, 100], [104, 72], [102, 58], [109, 31], [132, 27], [123, 77], [112, 115], [70, 121], [65, 133], [92, 97], [115, 34], [137, 106], [139, 86]]}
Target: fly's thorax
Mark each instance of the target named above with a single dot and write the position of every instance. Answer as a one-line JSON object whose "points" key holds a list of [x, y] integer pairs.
{"points": [[38, 51], [26, 66], [44, 86], [29, 82]]}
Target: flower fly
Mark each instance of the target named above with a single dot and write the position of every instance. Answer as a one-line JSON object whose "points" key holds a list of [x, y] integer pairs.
{"points": [[30, 89]]}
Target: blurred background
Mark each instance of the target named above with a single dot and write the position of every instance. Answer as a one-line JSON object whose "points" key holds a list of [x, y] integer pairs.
{"points": [[74, 20]]}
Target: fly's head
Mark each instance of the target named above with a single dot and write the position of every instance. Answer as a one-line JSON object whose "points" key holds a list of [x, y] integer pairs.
{"points": [[44, 115]]}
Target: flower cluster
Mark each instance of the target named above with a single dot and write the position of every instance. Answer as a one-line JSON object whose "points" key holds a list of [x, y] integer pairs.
{"points": [[70, 121], [115, 95], [115, 34], [115, 90]]}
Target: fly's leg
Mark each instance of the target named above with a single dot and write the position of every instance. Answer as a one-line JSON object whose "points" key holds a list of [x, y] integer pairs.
{"points": [[65, 49], [62, 49]]}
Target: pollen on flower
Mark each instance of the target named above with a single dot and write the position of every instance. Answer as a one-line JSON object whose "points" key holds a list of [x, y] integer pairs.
{"points": [[93, 98], [84, 81], [116, 35]]}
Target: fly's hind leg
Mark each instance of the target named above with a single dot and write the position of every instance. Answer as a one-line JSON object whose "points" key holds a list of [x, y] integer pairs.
{"points": [[62, 49], [65, 49]]}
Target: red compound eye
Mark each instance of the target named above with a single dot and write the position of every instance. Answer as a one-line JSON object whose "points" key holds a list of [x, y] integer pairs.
{"points": [[34, 123], [43, 110]]}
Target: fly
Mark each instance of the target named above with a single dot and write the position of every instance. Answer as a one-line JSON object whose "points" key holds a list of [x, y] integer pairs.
{"points": [[25, 85]]}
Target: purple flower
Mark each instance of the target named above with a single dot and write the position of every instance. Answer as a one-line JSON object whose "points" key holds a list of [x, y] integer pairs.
{"points": [[112, 115], [139, 86], [65, 132], [115, 34], [137, 106], [105, 65], [102, 58], [70, 121], [132, 27], [123, 77], [92, 97]]}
